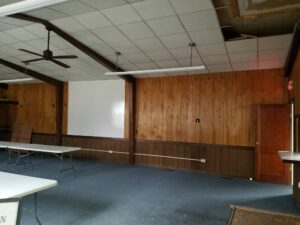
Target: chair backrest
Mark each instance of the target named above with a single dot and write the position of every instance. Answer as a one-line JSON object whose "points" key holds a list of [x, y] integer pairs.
{"points": [[249, 216], [21, 133], [10, 211]]}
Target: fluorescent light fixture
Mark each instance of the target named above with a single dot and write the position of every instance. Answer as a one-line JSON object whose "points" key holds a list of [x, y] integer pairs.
{"points": [[168, 70], [16, 80], [26, 5]]}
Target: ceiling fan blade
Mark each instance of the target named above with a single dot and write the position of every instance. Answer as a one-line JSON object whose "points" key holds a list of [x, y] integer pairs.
{"points": [[32, 60], [60, 63], [30, 52], [65, 57]]}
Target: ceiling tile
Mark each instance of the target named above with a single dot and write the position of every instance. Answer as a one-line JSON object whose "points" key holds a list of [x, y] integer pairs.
{"points": [[7, 39], [60, 43], [23, 45], [103, 49], [166, 26], [4, 26], [210, 36], [38, 30], [176, 40], [186, 62], [122, 60], [46, 14], [88, 20], [121, 14], [248, 45], [149, 44], [216, 59], [147, 66], [21, 34], [137, 30], [138, 58], [188, 6], [110, 34], [130, 67], [103, 4], [200, 20], [270, 64], [6, 51], [125, 47], [15, 22], [219, 68], [182, 53], [40, 44], [68, 24], [244, 66], [212, 49], [273, 54], [160, 55], [168, 64], [273, 42], [243, 57], [87, 38], [154, 9], [72, 8]]}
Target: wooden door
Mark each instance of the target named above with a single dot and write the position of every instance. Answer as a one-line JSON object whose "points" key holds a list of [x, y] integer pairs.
{"points": [[273, 134]]}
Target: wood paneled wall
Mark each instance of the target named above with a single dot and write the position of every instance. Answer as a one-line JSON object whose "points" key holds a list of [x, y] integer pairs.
{"points": [[233, 161], [36, 107], [225, 103], [166, 132]]}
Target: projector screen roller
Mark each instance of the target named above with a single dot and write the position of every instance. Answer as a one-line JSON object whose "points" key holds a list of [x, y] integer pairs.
{"points": [[96, 108]]}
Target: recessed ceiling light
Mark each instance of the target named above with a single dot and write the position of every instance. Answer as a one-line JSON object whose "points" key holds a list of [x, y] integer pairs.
{"points": [[26, 5]]}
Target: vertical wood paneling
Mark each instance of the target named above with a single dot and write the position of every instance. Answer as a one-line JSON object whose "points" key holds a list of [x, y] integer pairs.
{"points": [[224, 102], [36, 107]]}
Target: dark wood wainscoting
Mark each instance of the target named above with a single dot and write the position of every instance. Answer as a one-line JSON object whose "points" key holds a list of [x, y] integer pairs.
{"points": [[223, 160], [97, 148]]}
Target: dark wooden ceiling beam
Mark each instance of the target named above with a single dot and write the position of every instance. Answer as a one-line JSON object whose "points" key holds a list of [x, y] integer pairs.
{"points": [[3, 86], [31, 73], [90, 52], [293, 51]]}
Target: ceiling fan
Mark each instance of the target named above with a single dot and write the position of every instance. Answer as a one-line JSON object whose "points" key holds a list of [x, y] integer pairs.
{"points": [[48, 55]]}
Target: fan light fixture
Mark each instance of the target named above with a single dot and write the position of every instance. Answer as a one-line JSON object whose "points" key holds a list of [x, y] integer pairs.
{"points": [[166, 70], [26, 5]]}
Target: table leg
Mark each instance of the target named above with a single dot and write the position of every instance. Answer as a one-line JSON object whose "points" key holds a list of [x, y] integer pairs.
{"points": [[61, 169], [71, 163], [35, 210], [18, 161], [8, 161]]}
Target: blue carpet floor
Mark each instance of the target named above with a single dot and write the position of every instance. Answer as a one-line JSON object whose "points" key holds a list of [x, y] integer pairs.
{"points": [[117, 194]]}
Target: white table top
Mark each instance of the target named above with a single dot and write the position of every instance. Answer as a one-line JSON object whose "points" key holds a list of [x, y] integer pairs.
{"points": [[290, 157], [17, 186], [37, 147]]}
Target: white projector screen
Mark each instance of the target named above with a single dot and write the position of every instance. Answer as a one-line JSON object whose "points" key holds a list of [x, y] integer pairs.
{"points": [[96, 108]]}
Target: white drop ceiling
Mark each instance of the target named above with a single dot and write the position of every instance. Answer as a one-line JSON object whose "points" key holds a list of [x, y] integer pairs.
{"points": [[150, 34]]}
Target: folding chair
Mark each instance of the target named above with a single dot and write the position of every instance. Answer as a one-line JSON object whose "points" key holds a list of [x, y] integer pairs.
{"points": [[22, 134]]}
